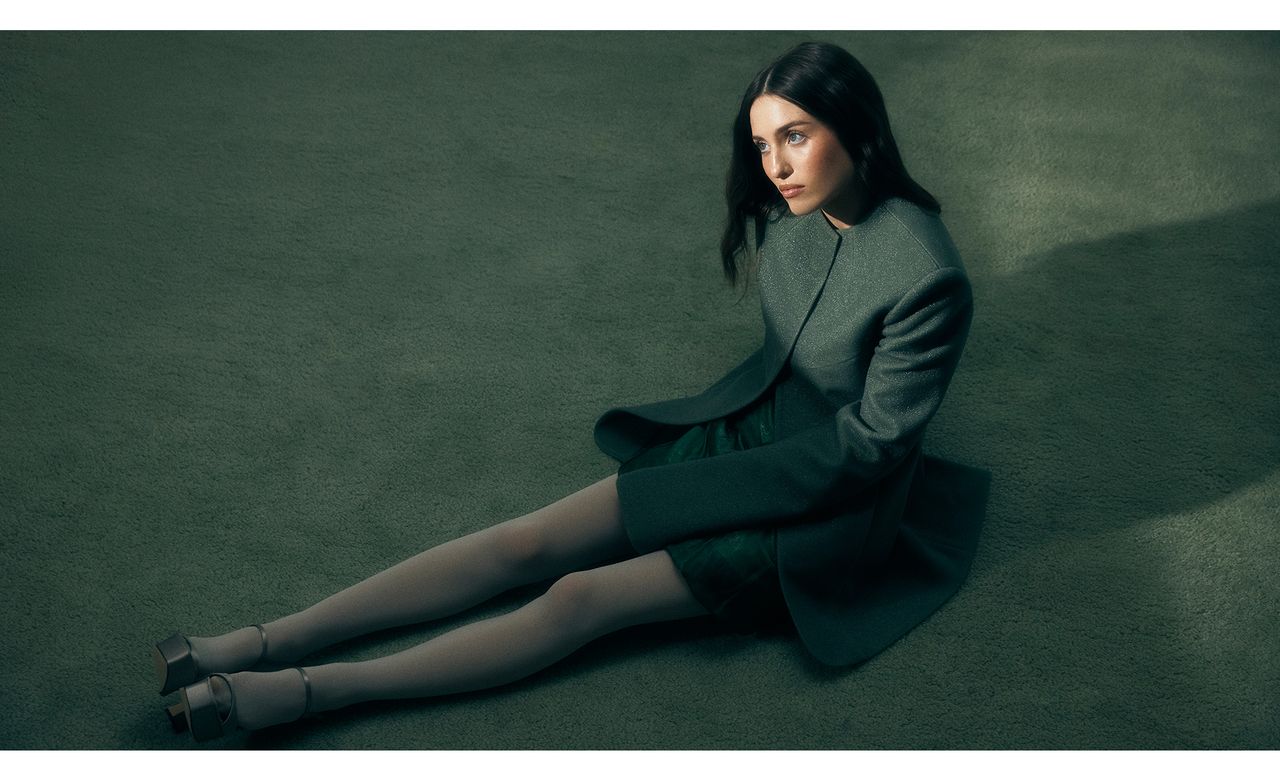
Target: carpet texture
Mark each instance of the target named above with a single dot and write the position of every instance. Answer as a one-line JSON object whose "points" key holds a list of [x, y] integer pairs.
{"points": [[279, 310]]}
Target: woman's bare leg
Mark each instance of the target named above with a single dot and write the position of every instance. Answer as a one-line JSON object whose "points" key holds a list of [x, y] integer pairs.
{"points": [[577, 608], [572, 533]]}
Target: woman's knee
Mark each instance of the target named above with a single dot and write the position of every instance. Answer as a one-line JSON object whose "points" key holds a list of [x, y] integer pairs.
{"points": [[638, 590], [574, 600]]}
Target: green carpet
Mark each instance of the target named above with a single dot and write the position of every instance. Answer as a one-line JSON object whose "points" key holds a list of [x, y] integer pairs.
{"points": [[279, 310]]}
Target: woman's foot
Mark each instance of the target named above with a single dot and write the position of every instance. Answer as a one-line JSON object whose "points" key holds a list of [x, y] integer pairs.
{"points": [[246, 701], [181, 660]]}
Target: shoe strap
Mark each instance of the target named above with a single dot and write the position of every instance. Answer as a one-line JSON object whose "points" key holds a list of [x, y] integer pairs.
{"points": [[306, 684], [231, 711], [262, 653]]}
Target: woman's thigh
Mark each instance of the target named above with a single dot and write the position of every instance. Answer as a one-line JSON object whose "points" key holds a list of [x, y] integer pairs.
{"points": [[582, 529]]}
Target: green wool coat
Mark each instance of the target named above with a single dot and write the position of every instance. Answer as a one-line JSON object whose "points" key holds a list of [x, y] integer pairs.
{"points": [[863, 330]]}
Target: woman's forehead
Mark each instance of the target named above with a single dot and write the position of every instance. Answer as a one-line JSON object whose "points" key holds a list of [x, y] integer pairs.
{"points": [[770, 113]]}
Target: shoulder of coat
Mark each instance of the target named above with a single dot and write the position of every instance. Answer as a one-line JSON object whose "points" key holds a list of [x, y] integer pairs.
{"points": [[778, 223], [921, 230]]}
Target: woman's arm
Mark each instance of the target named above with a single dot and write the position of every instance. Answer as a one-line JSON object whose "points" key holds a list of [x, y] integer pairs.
{"points": [[824, 465]]}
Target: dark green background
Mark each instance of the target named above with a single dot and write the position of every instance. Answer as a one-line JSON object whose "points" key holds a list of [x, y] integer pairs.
{"points": [[279, 310]]}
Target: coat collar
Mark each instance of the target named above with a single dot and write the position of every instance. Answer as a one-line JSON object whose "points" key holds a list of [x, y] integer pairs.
{"points": [[794, 267]]}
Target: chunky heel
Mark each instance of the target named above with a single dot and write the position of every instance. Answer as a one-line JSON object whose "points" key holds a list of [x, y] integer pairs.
{"points": [[177, 717], [175, 663]]}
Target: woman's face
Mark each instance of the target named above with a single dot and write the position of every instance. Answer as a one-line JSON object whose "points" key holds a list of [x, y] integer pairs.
{"points": [[804, 160]]}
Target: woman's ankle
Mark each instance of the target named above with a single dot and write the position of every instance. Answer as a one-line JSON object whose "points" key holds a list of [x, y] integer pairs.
{"points": [[290, 639], [230, 652], [261, 699]]}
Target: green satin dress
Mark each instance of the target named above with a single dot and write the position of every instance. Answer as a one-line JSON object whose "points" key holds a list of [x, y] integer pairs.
{"points": [[735, 574]]}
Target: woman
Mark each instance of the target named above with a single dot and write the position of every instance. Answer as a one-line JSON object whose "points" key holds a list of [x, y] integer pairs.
{"points": [[792, 492]]}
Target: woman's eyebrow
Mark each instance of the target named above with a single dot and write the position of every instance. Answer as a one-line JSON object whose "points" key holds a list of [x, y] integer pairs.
{"points": [[783, 129]]}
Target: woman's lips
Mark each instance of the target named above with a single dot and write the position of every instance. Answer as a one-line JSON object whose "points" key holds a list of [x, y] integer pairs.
{"points": [[790, 192]]}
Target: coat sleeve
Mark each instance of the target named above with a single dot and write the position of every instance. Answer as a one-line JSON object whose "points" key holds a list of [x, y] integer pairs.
{"points": [[824, 465]]}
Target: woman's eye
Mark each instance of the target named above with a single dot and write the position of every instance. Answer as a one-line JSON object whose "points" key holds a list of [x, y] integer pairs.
{"points": [[760, 146], [794, 133]]}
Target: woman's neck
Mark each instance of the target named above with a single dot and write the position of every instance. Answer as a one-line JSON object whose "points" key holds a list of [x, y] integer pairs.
{"points": [[847, 210]]}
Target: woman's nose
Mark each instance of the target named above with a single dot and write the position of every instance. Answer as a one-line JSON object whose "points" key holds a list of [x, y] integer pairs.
{"points": [[778, 166]]}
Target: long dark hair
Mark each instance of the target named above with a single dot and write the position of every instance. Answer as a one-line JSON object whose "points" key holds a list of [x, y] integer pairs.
{"points": [[832, 86]]}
